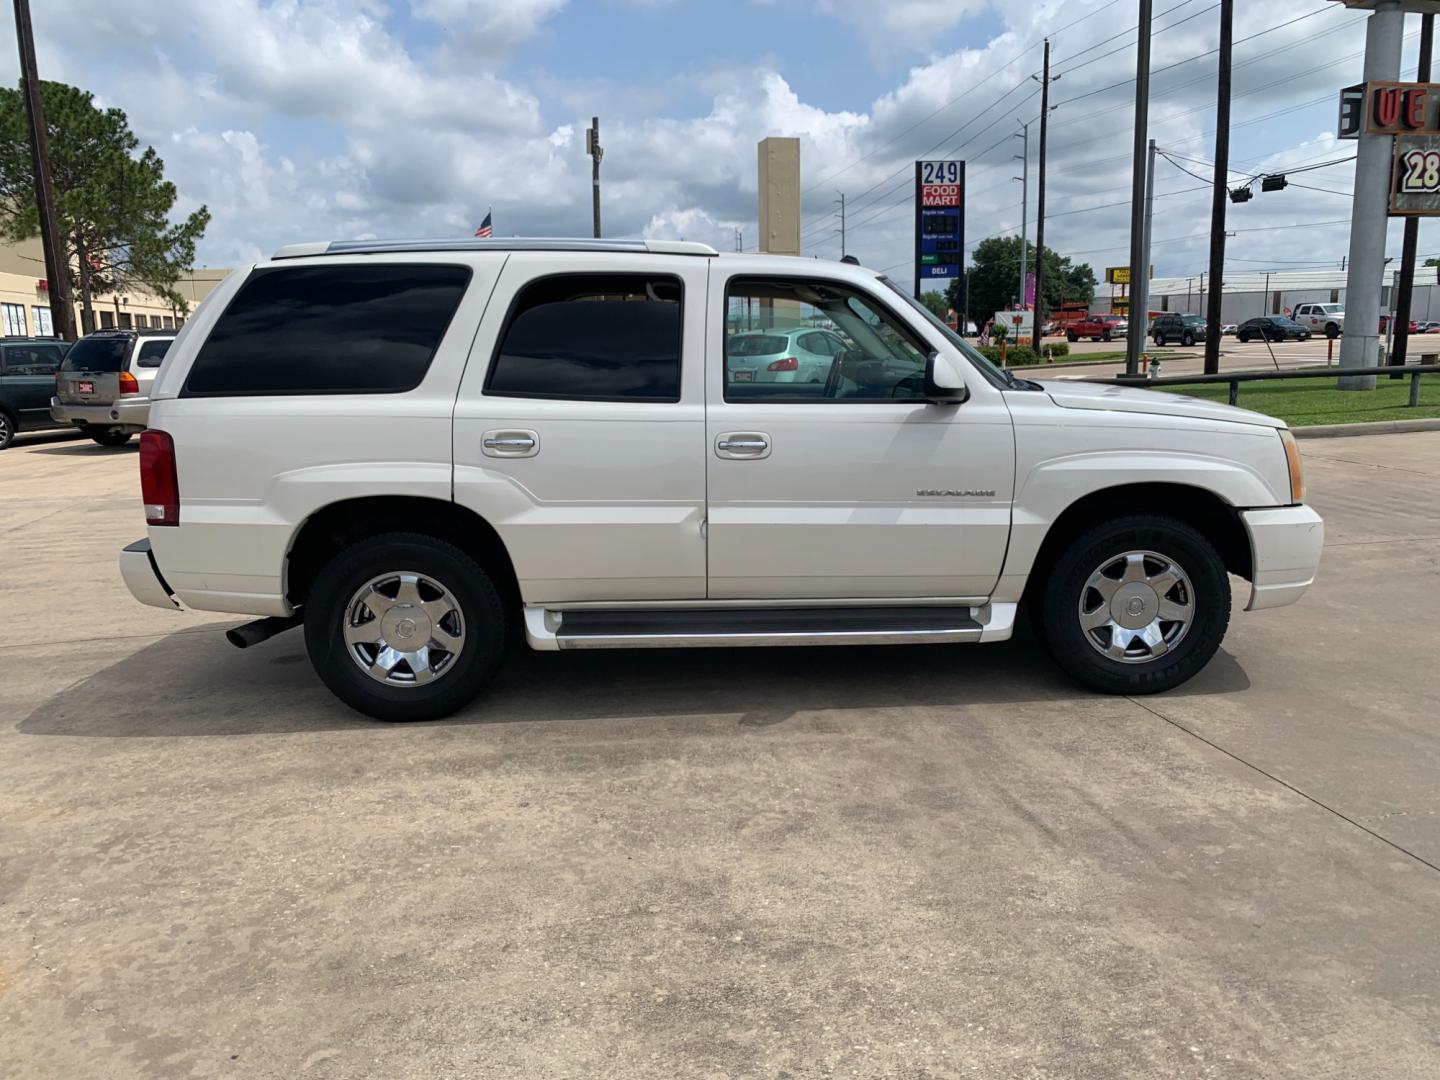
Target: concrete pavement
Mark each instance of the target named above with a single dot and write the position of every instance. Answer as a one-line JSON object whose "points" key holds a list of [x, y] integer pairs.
{"points": [[882, 862]]}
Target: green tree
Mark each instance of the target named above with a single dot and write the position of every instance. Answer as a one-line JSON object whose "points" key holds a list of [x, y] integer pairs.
{"points": [[114, 204], [937, 302], [995, 278]]}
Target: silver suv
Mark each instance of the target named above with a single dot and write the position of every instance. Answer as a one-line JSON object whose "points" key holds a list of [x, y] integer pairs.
{"points": [[103, 386]]}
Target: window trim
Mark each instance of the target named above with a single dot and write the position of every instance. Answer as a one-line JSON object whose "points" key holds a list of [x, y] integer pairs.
{"points": [[187, 392], [906, 331], [537, 395]]}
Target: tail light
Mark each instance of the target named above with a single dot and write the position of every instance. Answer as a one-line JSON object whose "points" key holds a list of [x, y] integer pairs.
{"points": [[159, 483], [789, 363], [128, 383]]}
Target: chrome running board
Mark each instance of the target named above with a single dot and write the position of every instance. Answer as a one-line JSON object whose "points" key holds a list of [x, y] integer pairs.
{"points": [[731, 627]]}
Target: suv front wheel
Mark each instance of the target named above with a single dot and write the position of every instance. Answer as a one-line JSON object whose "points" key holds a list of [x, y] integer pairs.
{"points": [[404, 626], [1135, 606]]}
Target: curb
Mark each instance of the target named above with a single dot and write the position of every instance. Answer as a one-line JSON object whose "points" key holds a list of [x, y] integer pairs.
{"points": [[1378, 427]]}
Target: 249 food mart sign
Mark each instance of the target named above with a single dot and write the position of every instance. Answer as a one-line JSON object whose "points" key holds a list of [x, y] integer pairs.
{"points": [[939, 219]]}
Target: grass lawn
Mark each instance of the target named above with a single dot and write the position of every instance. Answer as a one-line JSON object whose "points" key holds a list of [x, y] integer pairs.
{"points": [[1301, 402]]}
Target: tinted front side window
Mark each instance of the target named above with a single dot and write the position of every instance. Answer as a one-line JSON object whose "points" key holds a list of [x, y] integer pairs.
{"points": [[592, 337], [347, 329]]}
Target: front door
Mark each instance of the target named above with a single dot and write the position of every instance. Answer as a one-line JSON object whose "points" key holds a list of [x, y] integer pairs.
{"points": [[847, 483], [579, 427]]}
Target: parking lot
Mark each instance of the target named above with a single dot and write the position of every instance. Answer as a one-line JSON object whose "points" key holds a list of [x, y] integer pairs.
{"points": [[904, 862]]}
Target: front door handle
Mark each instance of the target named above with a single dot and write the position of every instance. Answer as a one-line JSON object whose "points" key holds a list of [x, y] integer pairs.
{"points": [[510, 444], [743, 444]]}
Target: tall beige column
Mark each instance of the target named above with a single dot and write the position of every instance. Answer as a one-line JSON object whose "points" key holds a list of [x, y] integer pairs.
{"points": [[780, 195]]}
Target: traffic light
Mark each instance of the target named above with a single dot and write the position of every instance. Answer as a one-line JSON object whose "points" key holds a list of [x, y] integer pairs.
{"points": [[1273, 182], [1241, 194]]}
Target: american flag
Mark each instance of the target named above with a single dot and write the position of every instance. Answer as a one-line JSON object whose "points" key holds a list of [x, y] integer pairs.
{"points": [[485, 230]]}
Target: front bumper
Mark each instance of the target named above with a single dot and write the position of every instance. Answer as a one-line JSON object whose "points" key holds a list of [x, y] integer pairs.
{"points": [[132, 414], [143, 578], [1285, 544]]}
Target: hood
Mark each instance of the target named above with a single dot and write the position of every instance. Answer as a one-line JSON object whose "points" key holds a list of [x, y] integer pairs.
{"points": [[1112, 397]]}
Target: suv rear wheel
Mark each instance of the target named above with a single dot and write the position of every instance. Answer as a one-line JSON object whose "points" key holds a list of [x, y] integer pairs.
{"points": [[109, 436], [404, 626], [7, 429], [1135, 606]]}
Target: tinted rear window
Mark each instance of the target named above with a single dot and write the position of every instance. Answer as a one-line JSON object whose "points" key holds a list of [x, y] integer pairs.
{"points": [[97, 354], [763, 345], [346, 329], [592, 337], [151, 352]]}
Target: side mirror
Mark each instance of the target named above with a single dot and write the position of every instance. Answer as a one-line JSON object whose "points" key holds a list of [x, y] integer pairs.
{"points": [[944, 385]]}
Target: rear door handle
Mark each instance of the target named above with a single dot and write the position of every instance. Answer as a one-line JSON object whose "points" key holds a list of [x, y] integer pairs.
{"points": [[510, 444], [742, 444]]}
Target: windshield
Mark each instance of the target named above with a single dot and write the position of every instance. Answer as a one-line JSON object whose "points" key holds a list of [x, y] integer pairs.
{"points": [[97, 354], [1332, 309], [996, 375]]}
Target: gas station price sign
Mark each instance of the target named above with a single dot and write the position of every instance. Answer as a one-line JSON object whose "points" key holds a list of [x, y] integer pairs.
{"points": [[939, 220]]}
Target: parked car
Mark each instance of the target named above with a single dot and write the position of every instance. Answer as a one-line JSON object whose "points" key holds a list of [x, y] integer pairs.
{"points": [[1227, 328], [1414, 327], [27, 379], [103, 387], [1327, 319], [1428, 327], [1271, 328], [1186, 329], [407, 448], [1097, 328], [769, 356]]}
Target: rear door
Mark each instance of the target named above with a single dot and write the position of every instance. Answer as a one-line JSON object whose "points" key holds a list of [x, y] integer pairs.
{"points": [[28, 371], [579, 428], [90, 373]]}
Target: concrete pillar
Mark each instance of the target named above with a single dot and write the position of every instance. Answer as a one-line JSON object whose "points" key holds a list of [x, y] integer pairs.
{"points": [[1384, 35], [779, 190]]}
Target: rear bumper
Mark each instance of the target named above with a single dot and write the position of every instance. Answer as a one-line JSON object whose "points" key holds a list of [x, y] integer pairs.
{"points": [[132, 414], [1285, 545], [143, 578]]}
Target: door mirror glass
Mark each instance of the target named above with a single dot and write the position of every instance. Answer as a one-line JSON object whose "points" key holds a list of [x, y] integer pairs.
{"points": [[944, 385]]}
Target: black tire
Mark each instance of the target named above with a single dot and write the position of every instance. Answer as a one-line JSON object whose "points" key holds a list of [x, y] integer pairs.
{"points": [[1105, 336], [1057, 606], [108, 436], [7, 429], [1071, 338], [1332, 331], [1159, 341], [1243, 335], [1188, 340], [485, 618]]}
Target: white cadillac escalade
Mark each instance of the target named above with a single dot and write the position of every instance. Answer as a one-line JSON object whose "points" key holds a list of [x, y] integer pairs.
{"points": [[410, 448]]}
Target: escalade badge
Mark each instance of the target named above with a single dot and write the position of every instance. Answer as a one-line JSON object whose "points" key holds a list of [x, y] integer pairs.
{"points": [[974, 493]]}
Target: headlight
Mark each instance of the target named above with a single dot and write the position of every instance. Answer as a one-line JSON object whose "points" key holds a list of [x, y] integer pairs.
{"points": [[1292, 459]]}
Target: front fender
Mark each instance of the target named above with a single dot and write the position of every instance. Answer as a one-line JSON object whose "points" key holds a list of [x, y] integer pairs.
{"points": [[1053, 486]]}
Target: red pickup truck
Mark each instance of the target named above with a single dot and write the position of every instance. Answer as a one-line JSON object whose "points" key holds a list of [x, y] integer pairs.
{"points": [[1098, 327]]}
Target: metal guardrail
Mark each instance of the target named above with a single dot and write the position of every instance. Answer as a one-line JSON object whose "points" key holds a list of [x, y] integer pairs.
{"points": [[1235, 378]]}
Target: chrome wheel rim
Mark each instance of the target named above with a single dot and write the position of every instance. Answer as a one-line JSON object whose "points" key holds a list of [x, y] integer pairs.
{"points": [[1136, 607], [4, 427], [404, 629]]}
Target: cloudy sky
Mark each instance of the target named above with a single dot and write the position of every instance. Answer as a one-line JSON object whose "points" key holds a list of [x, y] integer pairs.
{"points": [[310, 119]]}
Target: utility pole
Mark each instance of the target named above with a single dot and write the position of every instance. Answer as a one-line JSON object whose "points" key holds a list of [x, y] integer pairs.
{"points": [[1024, 158], [1139, 260], [1140, 288], [842, 223], [1412, 224], [1219, 195], [57, 269], [1369, 211], [1045, 81], [593, 148]]}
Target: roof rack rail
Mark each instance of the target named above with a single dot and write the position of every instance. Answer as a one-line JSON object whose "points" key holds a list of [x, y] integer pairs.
{"points": [[539, 243]]}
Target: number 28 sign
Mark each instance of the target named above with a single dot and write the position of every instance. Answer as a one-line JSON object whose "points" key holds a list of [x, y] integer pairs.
{"points": [[1416, 187]]}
